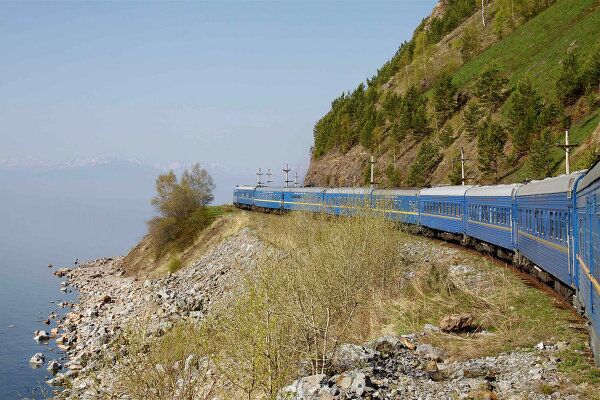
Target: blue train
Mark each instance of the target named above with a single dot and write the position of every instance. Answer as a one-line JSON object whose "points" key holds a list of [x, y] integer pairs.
{"points": [[550, 227]]}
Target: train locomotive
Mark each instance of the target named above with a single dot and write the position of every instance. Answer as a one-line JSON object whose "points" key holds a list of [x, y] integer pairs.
{"points": [[549, 227]]}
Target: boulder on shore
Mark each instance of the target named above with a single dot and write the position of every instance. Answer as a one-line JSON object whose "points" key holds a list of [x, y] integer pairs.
{"points": [[37, 359]]}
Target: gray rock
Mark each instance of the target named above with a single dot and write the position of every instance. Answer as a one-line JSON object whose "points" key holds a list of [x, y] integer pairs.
{"points": [[307, 388], [58, 380], [54, 366], [350, 356], [429, 352], [37, 359], [41, 336], [429, 328]]}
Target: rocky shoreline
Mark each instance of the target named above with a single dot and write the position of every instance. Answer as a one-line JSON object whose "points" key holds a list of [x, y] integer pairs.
{"points": [[111, 303]]}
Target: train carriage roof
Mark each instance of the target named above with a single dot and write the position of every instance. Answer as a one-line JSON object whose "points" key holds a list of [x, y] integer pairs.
{"points": [[395, 192], [559, 184], [493, 190], [303, 189], [269, 189], [591, 176], [245, 187], [445, 190], [348, 190]]}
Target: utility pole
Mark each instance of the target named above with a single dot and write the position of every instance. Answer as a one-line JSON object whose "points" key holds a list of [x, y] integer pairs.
{"points": [[296, 179], [286, 170], [269, 173], [567, 148], [373, 162], [462, 166], [259, 175]]}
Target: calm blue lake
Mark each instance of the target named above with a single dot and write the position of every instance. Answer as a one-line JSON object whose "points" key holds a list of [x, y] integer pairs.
{"points": [[39, 227]]}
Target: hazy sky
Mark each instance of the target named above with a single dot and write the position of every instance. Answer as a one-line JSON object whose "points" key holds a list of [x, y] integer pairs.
{"points": [[239, 84]]}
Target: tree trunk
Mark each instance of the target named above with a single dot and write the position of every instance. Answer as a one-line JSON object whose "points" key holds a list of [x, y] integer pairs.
{"points": [[483, 12]]}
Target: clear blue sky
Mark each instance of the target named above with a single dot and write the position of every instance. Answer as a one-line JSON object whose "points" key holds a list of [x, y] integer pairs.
{"points": [[239, 84]]}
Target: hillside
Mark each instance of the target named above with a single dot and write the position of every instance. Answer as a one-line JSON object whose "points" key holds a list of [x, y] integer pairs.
{"points": [[504, 91]]}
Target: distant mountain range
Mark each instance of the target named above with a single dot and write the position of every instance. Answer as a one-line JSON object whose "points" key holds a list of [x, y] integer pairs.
{"points": [[99, 178]]}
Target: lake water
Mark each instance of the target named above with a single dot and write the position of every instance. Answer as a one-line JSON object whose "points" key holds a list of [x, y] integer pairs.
{"points": [[38, 228]]}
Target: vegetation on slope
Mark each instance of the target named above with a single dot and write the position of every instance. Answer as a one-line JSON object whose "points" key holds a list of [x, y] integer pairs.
{"points": [[328, 281], [504, 91]]}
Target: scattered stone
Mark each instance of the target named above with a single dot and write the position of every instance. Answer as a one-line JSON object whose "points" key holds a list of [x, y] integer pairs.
{"points": [[37, 359], [58, 380], [350, 356], [61, 272], [457, 323], [429, 328], [429, 352], [54, 367], [540, 346], [41, 336]]}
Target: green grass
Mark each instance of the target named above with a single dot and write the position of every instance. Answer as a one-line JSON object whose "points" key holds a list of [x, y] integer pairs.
{"points": [[216, 211], [535, 49]]}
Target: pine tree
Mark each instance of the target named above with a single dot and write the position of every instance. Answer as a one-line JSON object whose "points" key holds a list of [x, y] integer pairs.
{"points": [[524, 109], [491, 139], [413, 115], [490, 87], [424, 164], [540, 160], [471, 118], [592, 72], [447, 136], [568, 83], [444, 91]]}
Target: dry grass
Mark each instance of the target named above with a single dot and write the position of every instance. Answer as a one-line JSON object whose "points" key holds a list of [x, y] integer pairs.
{"points": [[330, 280]]}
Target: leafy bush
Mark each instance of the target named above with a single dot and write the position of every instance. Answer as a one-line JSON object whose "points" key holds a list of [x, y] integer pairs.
{"points": [[174, 264], [182, 208]]}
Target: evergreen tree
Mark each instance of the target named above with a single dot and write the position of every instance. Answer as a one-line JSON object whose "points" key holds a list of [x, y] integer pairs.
{"points": [[469, 45], [568, 83], [424, 164], [490, 87], [524, 110], [393, 175], [540, 160], [491, 139], [471, 118], [444, 91], [592, 71], [447, 136], [413, 115]]}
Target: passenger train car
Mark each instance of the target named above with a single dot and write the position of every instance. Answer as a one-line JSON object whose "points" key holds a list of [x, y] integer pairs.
{"points": [[549, 227]]}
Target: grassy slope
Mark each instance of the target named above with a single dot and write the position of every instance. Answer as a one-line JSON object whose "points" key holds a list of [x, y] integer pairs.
{"points": [[141, 259], [535, 49]]}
